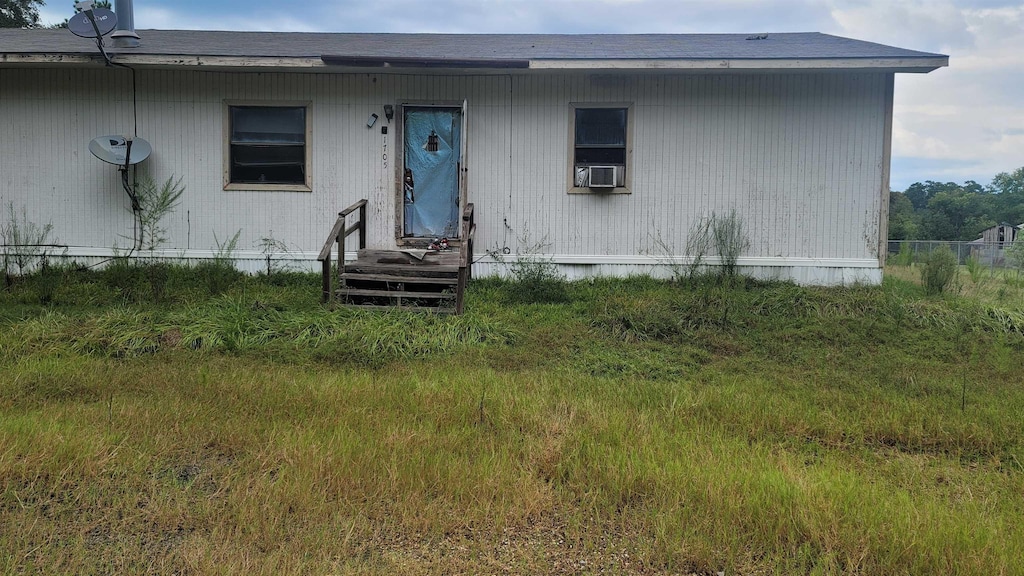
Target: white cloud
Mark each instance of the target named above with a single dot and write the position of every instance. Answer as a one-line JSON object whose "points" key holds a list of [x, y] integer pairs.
{"points": [[969, 116], [918, 24], [911, 143], [175, 19]]}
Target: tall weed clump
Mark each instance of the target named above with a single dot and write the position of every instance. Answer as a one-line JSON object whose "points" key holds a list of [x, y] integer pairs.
{"points": [[905, 257], [940, 271], [699, 243], [730, 240], [535, 277], [24, 242], [26, 252], [220, 273], [151, 204], [155, 203], [975, 269], [125, 278], [723, 236], [537, 280], [48, 280], [273, 249], [1015, 254]]}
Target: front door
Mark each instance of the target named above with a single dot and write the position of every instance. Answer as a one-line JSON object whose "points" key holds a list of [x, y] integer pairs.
{"points": [[433, 161]]}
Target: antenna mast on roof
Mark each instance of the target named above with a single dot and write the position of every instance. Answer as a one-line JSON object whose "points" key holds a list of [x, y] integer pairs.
{"points": [[125, 36]]}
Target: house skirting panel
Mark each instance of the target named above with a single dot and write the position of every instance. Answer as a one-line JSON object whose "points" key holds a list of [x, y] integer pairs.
{"points": [[803, 271], [250, 261]]}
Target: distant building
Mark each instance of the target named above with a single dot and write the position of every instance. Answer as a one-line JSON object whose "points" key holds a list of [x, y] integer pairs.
{"points": [[989, 248], [1001, 234]]}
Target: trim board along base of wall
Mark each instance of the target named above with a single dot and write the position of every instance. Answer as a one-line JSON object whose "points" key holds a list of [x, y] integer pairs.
{"points": [[803, 271]]}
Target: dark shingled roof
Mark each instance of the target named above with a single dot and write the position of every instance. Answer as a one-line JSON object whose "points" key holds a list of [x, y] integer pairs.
{"points": [[811, 45]]}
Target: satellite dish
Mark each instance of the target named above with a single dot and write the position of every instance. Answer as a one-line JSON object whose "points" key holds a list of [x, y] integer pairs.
{"points": [[113, 149], [80, 25]]}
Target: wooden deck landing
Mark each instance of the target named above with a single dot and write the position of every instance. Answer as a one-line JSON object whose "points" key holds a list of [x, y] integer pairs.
{"points": [[407, 260]]}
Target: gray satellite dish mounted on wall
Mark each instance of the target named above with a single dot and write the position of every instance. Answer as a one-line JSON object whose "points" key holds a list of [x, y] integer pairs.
{"points": [[94, 23], [120, 150], [124, 153]]}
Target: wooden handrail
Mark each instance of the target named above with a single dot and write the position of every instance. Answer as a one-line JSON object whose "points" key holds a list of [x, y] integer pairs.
{"points": [[353, 208], [468, 227], [337, 236], [465, 256], [325, 252]]}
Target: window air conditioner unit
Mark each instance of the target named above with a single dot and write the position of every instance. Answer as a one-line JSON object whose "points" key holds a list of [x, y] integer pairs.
{"points": [[602, 176]]}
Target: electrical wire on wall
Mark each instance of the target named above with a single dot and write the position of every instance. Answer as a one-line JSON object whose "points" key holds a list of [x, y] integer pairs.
{"points": [[95, 23], [128, 171], [129, 175], [131, 182], [511, 125]]}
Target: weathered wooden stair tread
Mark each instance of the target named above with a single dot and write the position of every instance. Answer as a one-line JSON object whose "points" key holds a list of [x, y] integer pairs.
{"points": [[394, 293], [416, 270], [393, 279], [428, 309]]}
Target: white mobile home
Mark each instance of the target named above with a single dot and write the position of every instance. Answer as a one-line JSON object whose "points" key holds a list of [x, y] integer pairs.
{"points": [[597, 151]]}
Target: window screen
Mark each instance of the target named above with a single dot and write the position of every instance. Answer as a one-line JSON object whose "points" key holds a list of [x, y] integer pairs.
{"points": [[600, 137], [268, 144]]}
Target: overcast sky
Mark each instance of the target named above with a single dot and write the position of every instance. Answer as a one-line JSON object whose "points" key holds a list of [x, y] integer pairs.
{"points": [[957, 123]]}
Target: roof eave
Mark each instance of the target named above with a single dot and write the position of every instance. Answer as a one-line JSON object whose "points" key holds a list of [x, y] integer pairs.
{"points": [[161, 60], [917, 64], [417, 62], [307, 63]]}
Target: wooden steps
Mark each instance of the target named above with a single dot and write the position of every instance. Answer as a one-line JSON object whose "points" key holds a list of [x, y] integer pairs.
{"points": [[392, 293], [406, 270], [356, 273], [387, 279], [382, 279]]}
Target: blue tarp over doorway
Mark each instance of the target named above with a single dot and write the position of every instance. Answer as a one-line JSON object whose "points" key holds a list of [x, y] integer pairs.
{"points": [[432, 140]]}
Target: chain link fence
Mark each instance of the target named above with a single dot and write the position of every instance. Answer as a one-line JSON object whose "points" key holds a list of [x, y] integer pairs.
{"points": [[990, 254]]}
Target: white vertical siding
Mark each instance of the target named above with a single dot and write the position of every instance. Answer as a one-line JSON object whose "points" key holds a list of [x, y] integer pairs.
{"points": [[799, 156]]}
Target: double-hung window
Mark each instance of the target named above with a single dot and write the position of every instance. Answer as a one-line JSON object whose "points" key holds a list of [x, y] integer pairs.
{"points": [[267, 147], [600, 147]]}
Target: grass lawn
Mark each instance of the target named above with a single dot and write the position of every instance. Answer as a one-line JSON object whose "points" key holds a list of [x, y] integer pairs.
{"points": [[623, 427], [994, 286]]}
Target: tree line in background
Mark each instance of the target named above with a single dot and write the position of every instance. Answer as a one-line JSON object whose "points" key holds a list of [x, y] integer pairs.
{"points": [[950, 211], [19, 13], [25, 13]]}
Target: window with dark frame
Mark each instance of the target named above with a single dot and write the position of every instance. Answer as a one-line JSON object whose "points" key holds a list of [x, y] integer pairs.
{"points": [[268, 145], [600, 138]]}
